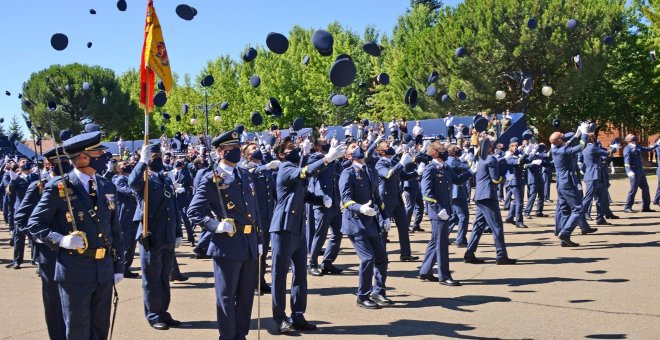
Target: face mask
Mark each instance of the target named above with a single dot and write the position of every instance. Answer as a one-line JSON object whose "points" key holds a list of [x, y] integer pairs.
{"points": [[66, 167], [444, 155], [98, 163], [325, 147], [293, 156], [390, 151], [257, 155], [156, 164], [25, 167], [233, 155], [358, 153], [128, 169], [633, 139], [167, 162], [459, 153]]}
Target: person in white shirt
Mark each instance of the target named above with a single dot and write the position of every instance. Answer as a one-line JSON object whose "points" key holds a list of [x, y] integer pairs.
{"points": [[417, 129], [449, 122]]}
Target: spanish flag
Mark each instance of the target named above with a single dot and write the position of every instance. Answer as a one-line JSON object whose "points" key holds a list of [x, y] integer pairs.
{"points": [[154, 58]]}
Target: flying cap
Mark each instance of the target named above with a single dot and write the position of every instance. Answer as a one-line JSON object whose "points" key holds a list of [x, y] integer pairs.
{"points": [[249, 55], [372, 49], [277, 43], [59, 41], [343, 72]]}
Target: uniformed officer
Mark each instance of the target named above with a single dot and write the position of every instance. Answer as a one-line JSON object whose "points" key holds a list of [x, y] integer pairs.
{"points": [[389, 177], [18, 186], [325, 216], [459, 196], [535, 181], [656, 199], [437, 180], [225, 205], [488, 214], [126, 206], [591, 156], [632, 158], [164, 234], [43, 255], [516, 163], [183, 188], [288, 234], [360, 222], [263, 176], [569, 190], [90, 249]]}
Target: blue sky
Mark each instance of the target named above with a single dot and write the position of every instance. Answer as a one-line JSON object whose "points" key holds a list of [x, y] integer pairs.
{"points": [[221, 27]]}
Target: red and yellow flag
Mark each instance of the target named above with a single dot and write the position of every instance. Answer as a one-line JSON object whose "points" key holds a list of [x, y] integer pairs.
{"points": [[154, 58]]}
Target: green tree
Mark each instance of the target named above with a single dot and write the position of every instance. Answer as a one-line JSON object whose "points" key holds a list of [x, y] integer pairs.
{"points": [[104, 103], [15, 127]]}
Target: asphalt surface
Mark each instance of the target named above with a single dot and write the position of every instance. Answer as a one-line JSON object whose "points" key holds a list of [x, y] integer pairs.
{"points": [[607, 288]]}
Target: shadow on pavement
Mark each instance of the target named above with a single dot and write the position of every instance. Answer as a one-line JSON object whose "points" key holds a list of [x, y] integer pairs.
{"points": [[607, 336], [403, 328]]}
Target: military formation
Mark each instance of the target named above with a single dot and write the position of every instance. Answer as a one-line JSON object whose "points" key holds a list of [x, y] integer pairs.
{"points": [[286, 203]]}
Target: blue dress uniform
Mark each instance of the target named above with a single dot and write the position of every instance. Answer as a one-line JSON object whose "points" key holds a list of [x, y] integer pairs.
{"points": [[325, 183], [535, 182], [44, 256], [632, 158], [488, 214], [591, 156], [358, 186], [389, 177], [437, 180], [204, 239], [412, 195], [230, 196], [288, 241], [19, 187], [460, 213], [126, 207], [85, 280], [181, 176], [546, 172], [165, 229], [569, 191], [516, 185], [656, 199], [8, 202]]}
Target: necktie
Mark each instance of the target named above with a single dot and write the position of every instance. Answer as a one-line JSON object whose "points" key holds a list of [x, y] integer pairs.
{"points": [[92, 190], [237, 178]]}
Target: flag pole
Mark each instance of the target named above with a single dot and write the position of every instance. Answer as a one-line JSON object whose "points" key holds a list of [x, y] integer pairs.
{"points": [[145, 194]]}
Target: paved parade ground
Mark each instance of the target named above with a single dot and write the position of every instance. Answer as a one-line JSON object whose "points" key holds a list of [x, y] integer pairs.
{"points": [[607, 288]]}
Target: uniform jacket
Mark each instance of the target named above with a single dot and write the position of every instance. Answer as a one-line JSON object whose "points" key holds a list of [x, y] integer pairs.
{"points": [[437, 181], [359, 186]]}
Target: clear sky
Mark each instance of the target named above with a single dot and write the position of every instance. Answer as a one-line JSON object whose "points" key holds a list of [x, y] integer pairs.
{"points": [[220, 27]]}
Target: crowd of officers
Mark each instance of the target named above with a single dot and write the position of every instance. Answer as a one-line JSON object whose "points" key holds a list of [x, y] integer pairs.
{"points": [[294, 197]]}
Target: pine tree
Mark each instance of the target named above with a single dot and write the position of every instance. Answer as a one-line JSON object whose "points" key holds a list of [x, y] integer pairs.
{"points": [[15, 127]]}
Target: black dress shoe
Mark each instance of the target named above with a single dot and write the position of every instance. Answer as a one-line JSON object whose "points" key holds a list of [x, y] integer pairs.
{"points": [[131, 275], [180, 278], [566, 241], [521, 225], [417, 228], [9, 265], [612, 217], [201, 256], [473, 259], [161, 326], [284, 327], [411, 231], [429, 278], [368, 304], [450, 282], [408, 258], [329, 268], [302, 325], [314, 272], [265, 289], [381, 300], [461, 245], [509, 221], [505, 261], [590, 218], [528, 216], [648, 210], [541, 215], [16, 266], [488, 231], [602, 222], [589, 231], [173, 323], [630, 211]]}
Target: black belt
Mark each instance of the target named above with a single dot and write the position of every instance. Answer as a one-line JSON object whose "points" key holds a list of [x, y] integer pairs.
{"points": [[96, 254], [243, 228]]}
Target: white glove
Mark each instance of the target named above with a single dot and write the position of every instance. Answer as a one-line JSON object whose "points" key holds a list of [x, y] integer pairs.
{"points": [[307, 146], [630, 174], [367, 210], [145, 153], [584, 128], [405, 159], [397, 149], [612, 171], [223, 227], [327, 201], [378, 139], [273, 165], [118, 277], [615, 147], [425, 146], [420, 168], [6, 158], [443, 215], [474, 167], [509, 176], [578, 133], [387, 225], [507, 154], [13, 175], [180, 190], [177, 242], [260, 249], [72, 242], [38, 240], [658, 142], [537, 162], [335, 152]]}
